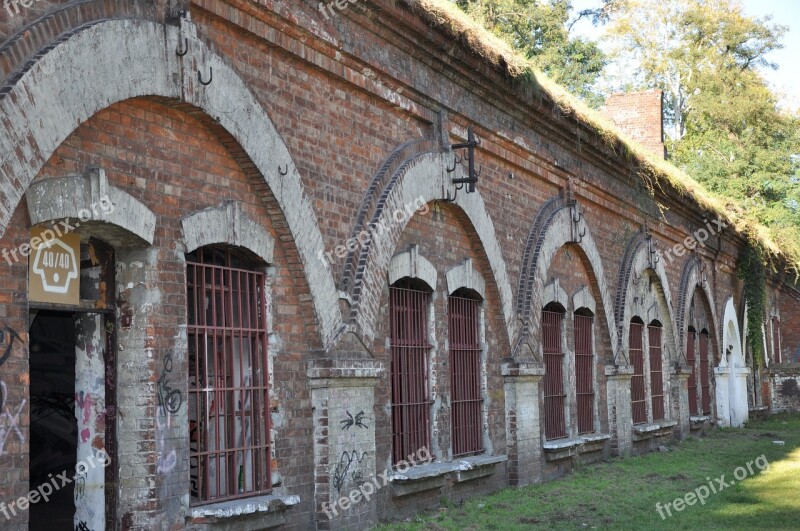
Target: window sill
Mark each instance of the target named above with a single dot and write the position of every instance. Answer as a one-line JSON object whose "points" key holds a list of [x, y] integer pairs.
{"points": [[241, 507], [655, 429], [432, 475], [563, 448], [700, 419]]}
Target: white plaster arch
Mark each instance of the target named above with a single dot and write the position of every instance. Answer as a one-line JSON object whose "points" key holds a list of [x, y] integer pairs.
{"points": [[227, 224], [67, 85], [647, 295], [731, 373], [583, 298], [561, 231], [115, 215], [412, 265], [426, 176], [465, 276], [553, 292], [692, 279]]}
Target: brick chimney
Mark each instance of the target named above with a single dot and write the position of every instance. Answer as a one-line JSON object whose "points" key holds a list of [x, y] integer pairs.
{"points": [[640, 116]]}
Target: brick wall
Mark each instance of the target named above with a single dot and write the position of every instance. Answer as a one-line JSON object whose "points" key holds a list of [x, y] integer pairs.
{"points": [[640, 116], [342, 93]]}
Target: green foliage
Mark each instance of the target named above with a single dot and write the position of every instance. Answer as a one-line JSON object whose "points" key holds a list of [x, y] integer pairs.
{"points": [[538, 29], [752, 272]]}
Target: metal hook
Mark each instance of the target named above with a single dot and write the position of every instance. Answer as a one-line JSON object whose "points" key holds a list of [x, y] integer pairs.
{"points": [[459, 159], [181, 53], [447, 198], [636, 278], [479, 172], [210, 76], [282, 171], [451, 170], [576, 211]]}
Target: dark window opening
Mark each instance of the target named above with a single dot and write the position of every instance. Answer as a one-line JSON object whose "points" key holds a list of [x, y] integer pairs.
{"points": [[656, 374], [584, 372], [636, 352], [705, 377], [691, 360]]}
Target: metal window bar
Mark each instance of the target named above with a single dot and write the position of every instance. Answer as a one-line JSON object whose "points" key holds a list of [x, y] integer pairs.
{"points": [[555, 426], [465, 372], [776, 341], [691, 360], [656, 375], [410, 386], [584, 373], [228, 379], [638, 395], [705, 378]]}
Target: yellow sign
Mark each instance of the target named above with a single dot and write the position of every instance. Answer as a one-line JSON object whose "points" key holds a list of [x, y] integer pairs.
{"points": [[54, 267]]}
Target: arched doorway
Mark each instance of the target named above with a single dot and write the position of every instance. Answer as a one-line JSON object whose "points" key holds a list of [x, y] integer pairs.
{"points": [[731, 373]]}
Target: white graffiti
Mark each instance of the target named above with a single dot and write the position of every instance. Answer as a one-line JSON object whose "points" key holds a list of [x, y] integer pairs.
{"points": [[9, 422], [167, 460]]}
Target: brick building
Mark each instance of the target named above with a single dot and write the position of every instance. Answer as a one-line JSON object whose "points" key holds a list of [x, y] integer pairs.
{"points": [[283, 296]]}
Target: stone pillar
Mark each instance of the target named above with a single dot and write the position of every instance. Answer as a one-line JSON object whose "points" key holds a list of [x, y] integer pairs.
{"points": [[343, 402], [721, 381], [620, 416], [523, 422], [679, 383]]}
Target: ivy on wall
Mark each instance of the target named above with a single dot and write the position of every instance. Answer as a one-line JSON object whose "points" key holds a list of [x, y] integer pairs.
{"points": [[753, 272]]}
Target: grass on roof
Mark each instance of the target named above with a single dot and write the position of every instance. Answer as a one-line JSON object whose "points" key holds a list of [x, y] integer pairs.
{"points": [[655, 172]]}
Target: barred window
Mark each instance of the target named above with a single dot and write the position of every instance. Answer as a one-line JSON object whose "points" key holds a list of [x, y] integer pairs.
{"points": [[705, 376], [465, 373], [776, 340], [656, 374], [410, 347], [555, 426], [584, 373], [638, 394], [691, 336], [228, 377]]}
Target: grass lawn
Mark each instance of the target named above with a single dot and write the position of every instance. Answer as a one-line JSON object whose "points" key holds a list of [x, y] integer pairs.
{"points": [[622, 493]]}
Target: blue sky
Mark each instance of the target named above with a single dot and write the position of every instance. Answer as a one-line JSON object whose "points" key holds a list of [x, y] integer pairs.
{"points": [[785, 80]]}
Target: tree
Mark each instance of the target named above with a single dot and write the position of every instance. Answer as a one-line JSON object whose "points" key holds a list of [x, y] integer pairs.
{"points": [[727, 130], [539, 30]]}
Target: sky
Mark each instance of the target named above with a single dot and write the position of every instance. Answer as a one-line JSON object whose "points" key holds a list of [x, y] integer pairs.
{"points": [[786, 79]]}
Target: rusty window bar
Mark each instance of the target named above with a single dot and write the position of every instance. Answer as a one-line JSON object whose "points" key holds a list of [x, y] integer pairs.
{"points": [[555, 426], [656, 374], [465, 372], [690, 359], [705, 378], [638, 395], [776, 340], [410, 386], [229, 398], [584, 373]]}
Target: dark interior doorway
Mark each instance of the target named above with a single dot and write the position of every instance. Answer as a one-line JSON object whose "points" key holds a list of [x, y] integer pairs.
{"points": [[54, 428]]}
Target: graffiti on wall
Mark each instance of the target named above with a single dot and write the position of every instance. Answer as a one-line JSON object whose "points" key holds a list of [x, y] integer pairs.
{"points": [[11, 334], [359, 420], [9, 419], [169, 399], [342, 472]]}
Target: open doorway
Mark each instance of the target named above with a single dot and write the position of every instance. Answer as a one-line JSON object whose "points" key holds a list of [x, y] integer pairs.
{"points": [[53, 425]]}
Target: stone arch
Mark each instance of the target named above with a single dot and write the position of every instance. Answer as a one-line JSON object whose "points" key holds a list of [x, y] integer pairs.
{"points": [[694, 277], [465, 276], [412, 265], [731, 373], [643, 290], [227, 224], [139, 60], [558, 223], [420, 176], [127, 222], [553, 292]]}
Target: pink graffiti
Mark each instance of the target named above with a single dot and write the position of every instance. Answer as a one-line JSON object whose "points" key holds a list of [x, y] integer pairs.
{"points": [[85, 403]]}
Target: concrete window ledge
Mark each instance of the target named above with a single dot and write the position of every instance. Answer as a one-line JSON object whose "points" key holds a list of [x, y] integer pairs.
{"points": [[593, 442], [700, 419], [646, 431], [433, 475], [561, 448], [265, 505]]}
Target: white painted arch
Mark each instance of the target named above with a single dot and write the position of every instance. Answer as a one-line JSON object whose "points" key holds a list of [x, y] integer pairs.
{"points": [[731, 374], [117, 60]]}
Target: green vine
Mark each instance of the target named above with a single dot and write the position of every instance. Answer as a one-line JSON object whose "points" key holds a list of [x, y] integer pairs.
{"points": [[753, 272]]}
